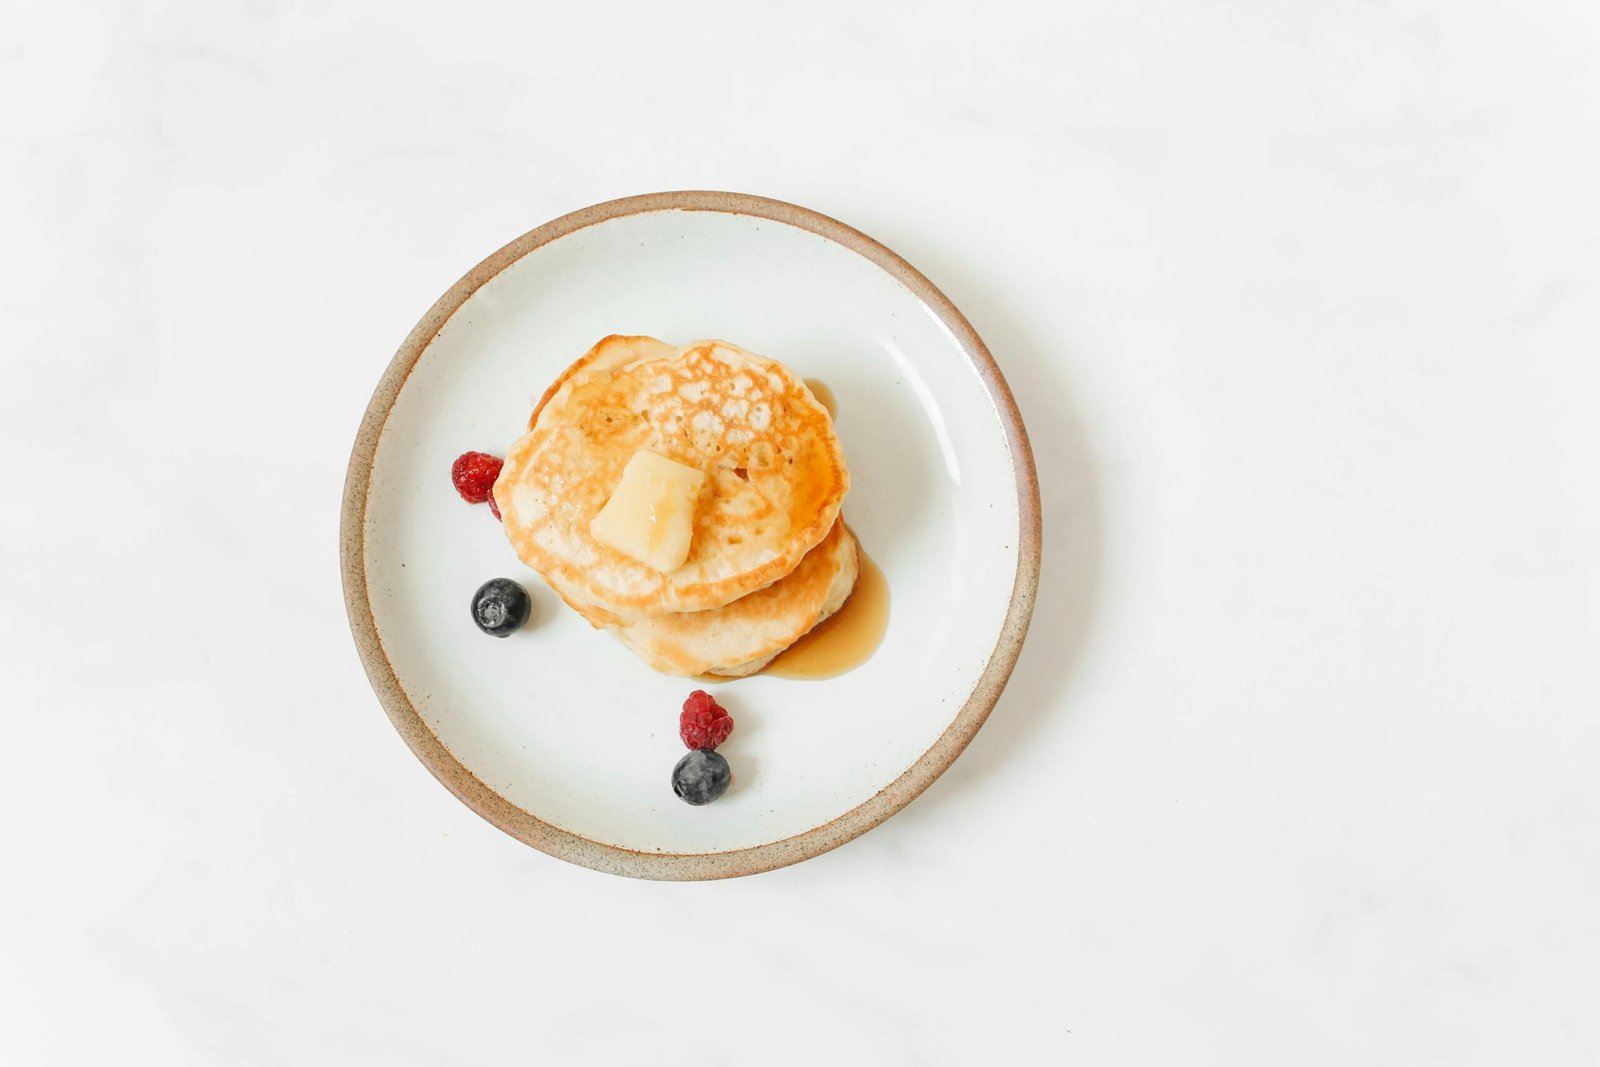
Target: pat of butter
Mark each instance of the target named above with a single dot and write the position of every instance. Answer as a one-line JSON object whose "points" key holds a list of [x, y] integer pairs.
{"points": [[650, 515]]}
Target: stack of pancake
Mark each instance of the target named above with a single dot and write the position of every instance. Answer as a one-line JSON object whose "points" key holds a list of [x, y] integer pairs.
{"points": [[769, 556]]}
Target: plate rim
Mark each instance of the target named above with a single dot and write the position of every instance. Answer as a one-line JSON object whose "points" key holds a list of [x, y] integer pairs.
{"points": [[672, 866]]}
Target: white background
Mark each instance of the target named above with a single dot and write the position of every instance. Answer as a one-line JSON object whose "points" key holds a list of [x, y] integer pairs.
{"points": [[1300, 762]]}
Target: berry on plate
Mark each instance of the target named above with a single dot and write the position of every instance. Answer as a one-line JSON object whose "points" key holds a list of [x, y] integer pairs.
{"points": [[500, 606], [704, 723], [701, 777], [473, 475]]}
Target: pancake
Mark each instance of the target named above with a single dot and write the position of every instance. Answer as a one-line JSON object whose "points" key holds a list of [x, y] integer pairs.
{"points": [[776, 475], [609, 354], [742, 637]]}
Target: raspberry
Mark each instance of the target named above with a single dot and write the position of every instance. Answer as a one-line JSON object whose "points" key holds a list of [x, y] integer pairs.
{"points": [[473, 474], [704, 723]]}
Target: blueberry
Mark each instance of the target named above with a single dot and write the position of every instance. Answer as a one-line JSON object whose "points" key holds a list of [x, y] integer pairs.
{"points": [[701, 777], [500, 606]]}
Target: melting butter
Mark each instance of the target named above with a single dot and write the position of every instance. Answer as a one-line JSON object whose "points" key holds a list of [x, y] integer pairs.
{"points": [[650, 516]]}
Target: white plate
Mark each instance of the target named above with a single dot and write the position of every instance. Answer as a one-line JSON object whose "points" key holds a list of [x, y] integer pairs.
{"points": [[558, 735]]}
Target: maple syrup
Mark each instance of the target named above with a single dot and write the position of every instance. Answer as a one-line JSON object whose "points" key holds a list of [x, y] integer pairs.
{"points": [[846, 639], [824, 396]]}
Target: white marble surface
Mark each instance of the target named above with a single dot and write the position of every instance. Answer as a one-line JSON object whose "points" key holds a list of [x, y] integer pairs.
{"points": [[1299, 765]]}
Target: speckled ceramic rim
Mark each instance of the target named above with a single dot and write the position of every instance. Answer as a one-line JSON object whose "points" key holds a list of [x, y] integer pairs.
{"points": [[525, 826]]}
